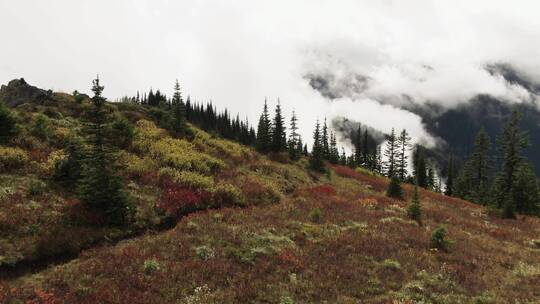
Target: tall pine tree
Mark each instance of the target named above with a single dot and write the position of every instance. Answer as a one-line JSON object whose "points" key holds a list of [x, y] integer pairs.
{"points": [[404, 145], [279, 138], [316, 161], [390, 154], [178, 111], [264, 131], [100, 189]]}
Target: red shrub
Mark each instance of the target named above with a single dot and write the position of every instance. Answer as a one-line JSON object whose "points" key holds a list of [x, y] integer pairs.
{"points": [[323, 190], [346, 172], [42, 297], [288, 259], [177, 200]]}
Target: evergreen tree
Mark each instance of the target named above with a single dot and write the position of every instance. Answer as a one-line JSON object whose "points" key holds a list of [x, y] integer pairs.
{"points": [[512, 142], [404, 144], [357, 143], [394, 188], [343, 157], [390, 153], [317, 153], [100, 190], [179, 125], [415, 210], [526, 195], [324, 140], [264, 131], [450, 178], [8, 124], [279, 138], [473, 180], [431, 179], [334, 153], [294, 139], [420, 167]]}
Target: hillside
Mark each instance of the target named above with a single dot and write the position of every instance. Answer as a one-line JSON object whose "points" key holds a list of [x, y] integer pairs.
{"points": [[250, 228]]}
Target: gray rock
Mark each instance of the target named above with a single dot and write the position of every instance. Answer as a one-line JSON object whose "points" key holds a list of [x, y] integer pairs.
{"points": [[17, 92]]}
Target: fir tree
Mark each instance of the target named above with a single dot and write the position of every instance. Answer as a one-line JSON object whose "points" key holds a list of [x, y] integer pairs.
{"points": [[324, 140], [294, 139], [420, 169], [512, 142], [279, 138], [390, 154], [317, 153], [473, 180], [343, 157], [415, 210], [357, 143], [404, 144], [179, 125], [450, 178], [394, 188], [264, 131], [100, 190]]}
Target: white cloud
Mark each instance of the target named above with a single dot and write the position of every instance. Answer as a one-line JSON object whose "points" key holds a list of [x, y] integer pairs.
{"points": [[238, 52]]}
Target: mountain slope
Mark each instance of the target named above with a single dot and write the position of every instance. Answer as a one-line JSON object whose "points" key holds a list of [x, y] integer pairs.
{"points": [[279, 233]]}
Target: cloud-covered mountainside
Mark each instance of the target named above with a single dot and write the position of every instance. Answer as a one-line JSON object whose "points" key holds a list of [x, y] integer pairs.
{"points": [[453, 124]]}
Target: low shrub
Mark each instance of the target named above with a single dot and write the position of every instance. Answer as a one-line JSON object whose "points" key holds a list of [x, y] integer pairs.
{"points": [[12, 158], [36, 188], [41, 127], [205, 253], [438, 239], [258, 193], [323, 190], [8, 124], [189, 179], [177, 200], [315, 215], [224, 195], [150, 266], [121, 132]]}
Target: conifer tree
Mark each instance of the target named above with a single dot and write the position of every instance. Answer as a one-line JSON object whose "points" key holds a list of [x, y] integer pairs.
{"points": [[415, 210], [178, 111], [334, 153], [317, 153], [264, 131], [324, 140], [473, 180], [357, 143], [394, 188], [420, 167], [279, 139], [294, 139], [99, 189], [511, 142], [450, 179], [404, 144], [343, 157], [390, 154]]}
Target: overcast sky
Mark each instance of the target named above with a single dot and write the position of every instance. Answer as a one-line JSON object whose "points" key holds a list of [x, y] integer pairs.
{"points": [[236, 53]]}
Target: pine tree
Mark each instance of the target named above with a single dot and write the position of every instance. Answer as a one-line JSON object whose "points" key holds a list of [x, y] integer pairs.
{"points": [[343, 157], [294, 139], [179, 125], [334, 153], [279, 138], [420, 169], [473, 180], [357, 143], [526, 195], [390, 154], [8, 124], [324, 140], [415, 210], [317, 154], [99, 189], [512, 142], [450, 178], [404, 144], [394, 188], [264, 131]]}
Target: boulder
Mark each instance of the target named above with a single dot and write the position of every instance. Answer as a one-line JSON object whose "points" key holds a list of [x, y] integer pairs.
{"points": [[17, 92]]}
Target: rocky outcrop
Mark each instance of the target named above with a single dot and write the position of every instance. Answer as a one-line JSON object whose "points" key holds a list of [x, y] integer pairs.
{"points": [[18, 92]]}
